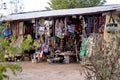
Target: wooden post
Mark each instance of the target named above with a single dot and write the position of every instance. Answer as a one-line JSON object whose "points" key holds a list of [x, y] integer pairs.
{"points": [[76, 51]]}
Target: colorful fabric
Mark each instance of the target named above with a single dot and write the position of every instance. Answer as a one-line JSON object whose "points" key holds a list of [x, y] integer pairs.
{"points": [[1, 35], [59, 30], [71, 28], [58, 26], [83, 47], [7, 32], [41, 30]]}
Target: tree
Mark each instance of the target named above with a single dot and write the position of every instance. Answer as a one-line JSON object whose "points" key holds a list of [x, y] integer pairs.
{"points": [[104, 63], [11, 6], [66, 4], [2, 4], [16, 6], [7, 48]]}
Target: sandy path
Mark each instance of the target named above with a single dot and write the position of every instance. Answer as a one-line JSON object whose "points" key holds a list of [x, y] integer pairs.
{"points": [[45, 71]]}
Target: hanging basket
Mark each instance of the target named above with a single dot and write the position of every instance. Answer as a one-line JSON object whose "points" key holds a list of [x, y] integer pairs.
{"points": [[111, 26]]}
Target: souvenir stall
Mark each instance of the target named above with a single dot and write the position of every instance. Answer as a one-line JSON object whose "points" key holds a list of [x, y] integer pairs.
{"points": [[44, 34], [68, 35], [60, 37], [18, 29], [62, 32]]}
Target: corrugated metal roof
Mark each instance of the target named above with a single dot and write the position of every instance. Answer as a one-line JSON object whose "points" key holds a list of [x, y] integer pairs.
{"points": [[62, 12]]}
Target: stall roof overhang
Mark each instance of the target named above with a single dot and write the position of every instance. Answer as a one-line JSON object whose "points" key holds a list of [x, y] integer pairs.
{"points": [[62, 12]]}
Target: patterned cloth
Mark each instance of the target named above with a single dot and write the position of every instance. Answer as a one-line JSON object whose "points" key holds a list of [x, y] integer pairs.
{"points": [[83, 47]]}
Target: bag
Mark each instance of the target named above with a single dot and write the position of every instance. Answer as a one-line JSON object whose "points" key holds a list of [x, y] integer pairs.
{"points": [[7, 32], [111, 27]]}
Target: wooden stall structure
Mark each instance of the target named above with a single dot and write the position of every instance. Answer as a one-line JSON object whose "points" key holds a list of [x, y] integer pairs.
{"points": [[64, 32]]}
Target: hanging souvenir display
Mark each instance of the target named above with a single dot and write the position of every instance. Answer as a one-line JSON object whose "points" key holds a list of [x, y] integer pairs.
{"points": [[48, 27], [99, 23], [60, 34], [59, 28], [41, 29], [83, 47], [65, 26]]}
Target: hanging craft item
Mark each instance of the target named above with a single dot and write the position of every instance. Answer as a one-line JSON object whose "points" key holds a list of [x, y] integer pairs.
{"points": [[111, 26], [59, 28], [60, 34], [41, 30], [83, 47], [7, 32]]}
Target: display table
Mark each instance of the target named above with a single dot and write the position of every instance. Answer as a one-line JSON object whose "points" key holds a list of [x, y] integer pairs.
{"points": [[68, 56]]}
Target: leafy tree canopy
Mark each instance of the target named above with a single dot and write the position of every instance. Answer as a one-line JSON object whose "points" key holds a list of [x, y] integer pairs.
{"points": [[66, 4]]}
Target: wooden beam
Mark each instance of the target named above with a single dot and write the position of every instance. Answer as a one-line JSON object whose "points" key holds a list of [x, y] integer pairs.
{"points": [[118, 10]]}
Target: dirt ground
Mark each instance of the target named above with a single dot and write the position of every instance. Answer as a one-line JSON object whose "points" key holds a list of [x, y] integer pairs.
{"points": [[45, 71]]}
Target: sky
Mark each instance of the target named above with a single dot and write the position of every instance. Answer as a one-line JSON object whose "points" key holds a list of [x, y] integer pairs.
{"points": [[34, 5]]}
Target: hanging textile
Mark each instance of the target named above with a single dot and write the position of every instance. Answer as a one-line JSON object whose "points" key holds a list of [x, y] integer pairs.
{"points": [[89, 21], [65, 22], [59, 31], [94, 24], [47, 26], [71, 29], [99, 23], [41, 30], [83, 47], [102, 24], [57, 27]]}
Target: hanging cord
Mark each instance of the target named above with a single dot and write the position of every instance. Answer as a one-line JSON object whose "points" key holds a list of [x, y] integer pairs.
{"points": [[111, 18]]}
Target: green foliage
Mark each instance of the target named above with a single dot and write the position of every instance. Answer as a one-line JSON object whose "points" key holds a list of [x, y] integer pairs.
{"points": [[5, 67], [66, 4], [35, 44], [14, 68], [1, 27], [27, 43], [7, 48], [105, 62]]}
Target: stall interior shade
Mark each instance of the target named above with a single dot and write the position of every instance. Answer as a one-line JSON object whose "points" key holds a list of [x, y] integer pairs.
{"points": [[94, 24], [29, 27]]}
